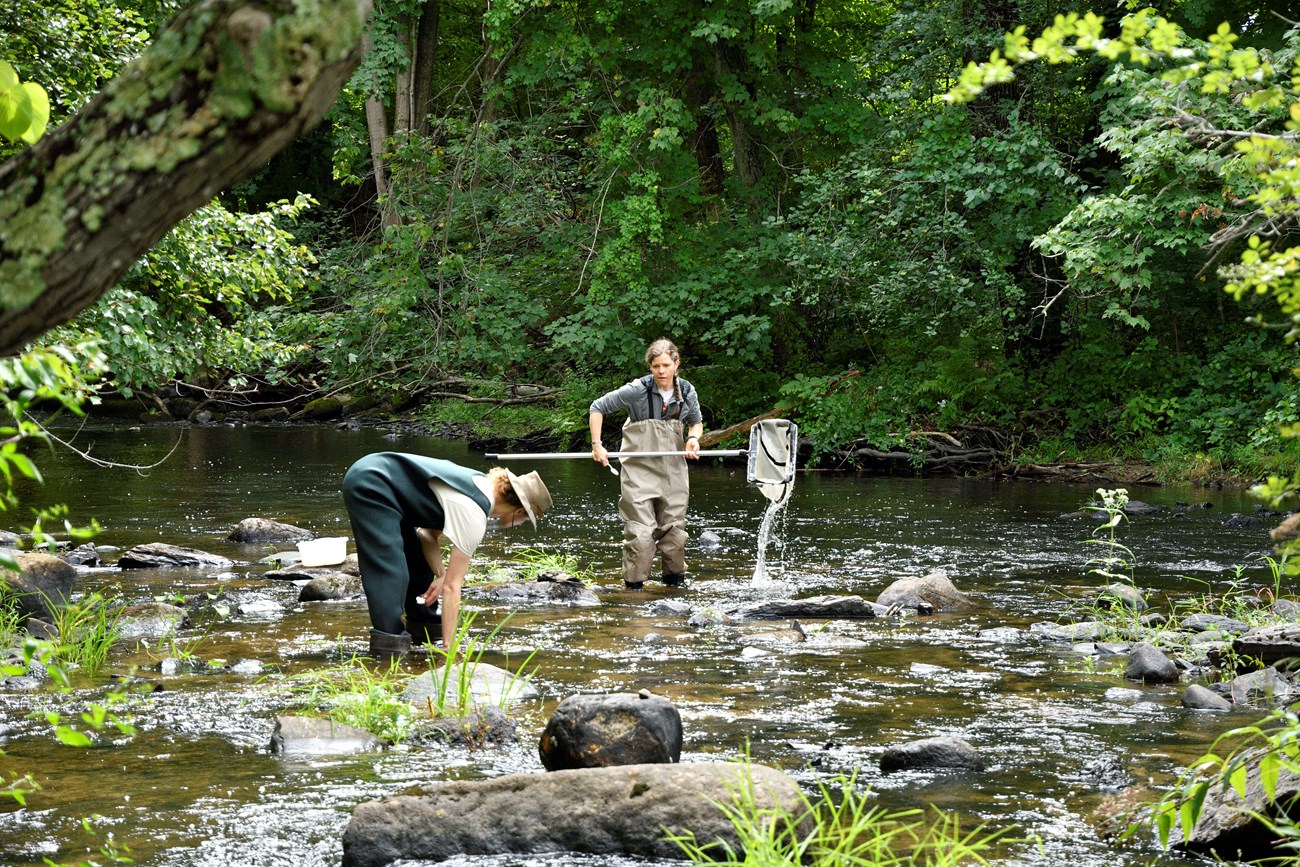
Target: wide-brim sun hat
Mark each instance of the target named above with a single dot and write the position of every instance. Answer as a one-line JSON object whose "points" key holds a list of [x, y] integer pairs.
{"points": [[532, 494]]}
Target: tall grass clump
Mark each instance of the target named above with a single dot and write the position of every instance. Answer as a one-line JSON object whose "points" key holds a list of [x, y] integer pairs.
{"points": [[10, 620], [535, 563], [840, 829], [375, 698], [88, 631], [354, 694], [453, 680]]}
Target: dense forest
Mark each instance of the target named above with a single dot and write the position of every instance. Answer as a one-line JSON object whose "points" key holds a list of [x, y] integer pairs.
{"points": [[508, 200]]}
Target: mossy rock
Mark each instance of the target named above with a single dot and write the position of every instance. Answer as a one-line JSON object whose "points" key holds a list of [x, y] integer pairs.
{"points": [[324, 409]]}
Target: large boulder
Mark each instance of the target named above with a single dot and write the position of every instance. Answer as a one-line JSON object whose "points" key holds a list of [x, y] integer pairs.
{"points": [[925, 594], [1228, 827], [625, 811], [1268, 644], [42, 587], [598, 731]]}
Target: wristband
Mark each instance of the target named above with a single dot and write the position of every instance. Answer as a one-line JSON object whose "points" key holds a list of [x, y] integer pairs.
{"points": [[689, 438]]}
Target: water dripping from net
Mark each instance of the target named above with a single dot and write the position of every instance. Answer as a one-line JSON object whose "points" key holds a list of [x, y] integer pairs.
{"points": [[761, 576], [773, 446]]}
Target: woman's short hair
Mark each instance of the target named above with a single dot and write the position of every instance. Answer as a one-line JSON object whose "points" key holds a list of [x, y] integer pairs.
{"points": [[662, 346]]}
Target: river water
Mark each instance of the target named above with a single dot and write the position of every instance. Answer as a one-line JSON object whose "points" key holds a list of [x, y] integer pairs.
{"points": [[198, 785]]}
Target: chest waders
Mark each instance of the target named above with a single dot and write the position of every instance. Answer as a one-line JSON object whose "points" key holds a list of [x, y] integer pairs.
{"points": [[652, 501]]}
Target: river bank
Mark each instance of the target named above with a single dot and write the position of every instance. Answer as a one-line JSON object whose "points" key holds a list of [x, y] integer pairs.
{"points": [[969, 451]]}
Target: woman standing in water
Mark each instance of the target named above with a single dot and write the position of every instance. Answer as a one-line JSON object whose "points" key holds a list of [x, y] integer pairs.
{"points": [[662, 408]]}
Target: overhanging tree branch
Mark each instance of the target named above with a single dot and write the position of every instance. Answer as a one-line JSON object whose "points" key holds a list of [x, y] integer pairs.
{"points": [[226, 86]]}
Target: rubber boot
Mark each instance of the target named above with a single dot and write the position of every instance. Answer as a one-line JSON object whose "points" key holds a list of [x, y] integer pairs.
{"points": [[387, 647], [425, 632], [674, 579]]}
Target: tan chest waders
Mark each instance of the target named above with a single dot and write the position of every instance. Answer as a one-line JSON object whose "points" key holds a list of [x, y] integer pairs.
{"points": [[653, 501]]}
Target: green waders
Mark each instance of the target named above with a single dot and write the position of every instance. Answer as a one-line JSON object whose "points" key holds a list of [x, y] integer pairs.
{"points": [[387, 495]]}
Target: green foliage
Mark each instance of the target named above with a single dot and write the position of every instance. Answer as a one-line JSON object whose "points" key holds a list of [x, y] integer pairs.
{"points": [[1268, 749], [1116, 555], [533, 563], [96, 718], [204, 303], [68, 50], [453, 681], [51, 378]]}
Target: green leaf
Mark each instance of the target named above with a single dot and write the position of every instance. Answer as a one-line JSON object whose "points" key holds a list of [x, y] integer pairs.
{"points": [[72, 737]]}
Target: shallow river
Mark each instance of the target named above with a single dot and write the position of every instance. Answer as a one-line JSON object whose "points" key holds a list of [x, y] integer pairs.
{"points": [[198, 785]]}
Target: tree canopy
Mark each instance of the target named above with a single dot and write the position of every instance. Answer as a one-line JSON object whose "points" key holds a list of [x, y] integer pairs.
{"points": [[527, 192]]}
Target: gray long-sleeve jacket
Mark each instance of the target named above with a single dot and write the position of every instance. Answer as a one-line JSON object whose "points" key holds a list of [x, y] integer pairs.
{"points": [[641, 400]]}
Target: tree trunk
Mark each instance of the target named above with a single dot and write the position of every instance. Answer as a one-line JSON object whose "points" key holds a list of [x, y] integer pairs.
{"points": [[377, 132], [424, 57], [402, 109], [226, 86], [704, 143], [730, 64]]}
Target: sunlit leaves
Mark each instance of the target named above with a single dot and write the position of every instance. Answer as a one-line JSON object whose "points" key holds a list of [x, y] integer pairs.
{"points": [[24, 107]]}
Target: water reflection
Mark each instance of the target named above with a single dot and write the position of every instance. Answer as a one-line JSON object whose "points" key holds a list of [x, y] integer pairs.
{"points": [[198, 786]]}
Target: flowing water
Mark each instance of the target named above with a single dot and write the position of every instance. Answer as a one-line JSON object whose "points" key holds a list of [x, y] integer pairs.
{"points": [[198, 785]]}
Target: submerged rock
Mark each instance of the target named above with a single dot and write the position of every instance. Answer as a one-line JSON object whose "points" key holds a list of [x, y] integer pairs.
{"points": [[151, 620], [314, 736], [562, 591], [158, 555], [252, 530], [930, 753]]}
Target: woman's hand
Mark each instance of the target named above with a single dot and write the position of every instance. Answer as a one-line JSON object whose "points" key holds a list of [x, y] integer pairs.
{"points": [[431, 595], [599, 454]]}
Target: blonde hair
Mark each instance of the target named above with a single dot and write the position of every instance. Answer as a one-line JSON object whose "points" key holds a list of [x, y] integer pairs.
{"points": [[662, 346], [501, 487]]}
